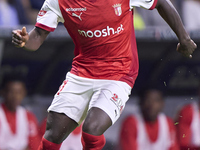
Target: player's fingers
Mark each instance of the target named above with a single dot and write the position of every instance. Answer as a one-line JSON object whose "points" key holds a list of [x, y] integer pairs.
{"points": [[22, 44], [178, 47], [15, 43], [195, 45], [16, 40], [190, 56], [24, 31], [16, 35]]}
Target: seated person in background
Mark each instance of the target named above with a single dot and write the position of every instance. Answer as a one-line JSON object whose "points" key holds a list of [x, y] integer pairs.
{"points": [[148, 129], [191, 11], [16, 12], [8, 13], [188, 126], [72, 142], [18, 127]]}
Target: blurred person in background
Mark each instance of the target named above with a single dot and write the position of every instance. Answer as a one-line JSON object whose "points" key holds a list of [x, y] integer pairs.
{"points": [[16, 12], [138, 21], [188, 126], [151, 19], [72, 142], [191, 17], [18, 127], [105, 66], [149, 128], [8, 13]]}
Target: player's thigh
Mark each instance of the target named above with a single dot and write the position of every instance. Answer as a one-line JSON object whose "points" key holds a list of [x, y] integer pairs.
{"points": [[111, 97], [73, 98], [106, 105], [68, 108], [96, 122]]}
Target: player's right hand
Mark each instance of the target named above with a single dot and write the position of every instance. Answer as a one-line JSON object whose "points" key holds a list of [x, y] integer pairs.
{"points": [[20, 37]]}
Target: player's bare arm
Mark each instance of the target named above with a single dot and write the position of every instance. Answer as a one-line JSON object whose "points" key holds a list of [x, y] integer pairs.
{"points": [[167, 11], [30, 41]]}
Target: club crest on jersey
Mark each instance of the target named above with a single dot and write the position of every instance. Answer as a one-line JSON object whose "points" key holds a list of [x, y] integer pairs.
{"points": [[117, 9], [42, 13]]}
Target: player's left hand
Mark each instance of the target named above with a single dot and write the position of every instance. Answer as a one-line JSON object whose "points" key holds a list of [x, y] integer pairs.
{"points": [[187, 48]]}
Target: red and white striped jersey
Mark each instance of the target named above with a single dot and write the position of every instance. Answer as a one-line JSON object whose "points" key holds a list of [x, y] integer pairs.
{"points": [[18, 130], [188, 128], [138, 134]]}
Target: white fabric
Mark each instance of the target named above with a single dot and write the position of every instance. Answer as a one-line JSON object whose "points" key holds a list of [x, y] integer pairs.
{"points": [[10, 141], [72, 142], [8, 15], [79, 94], [195, 126], [53, 14], [147, 4], [163, 141], [191, 17]]}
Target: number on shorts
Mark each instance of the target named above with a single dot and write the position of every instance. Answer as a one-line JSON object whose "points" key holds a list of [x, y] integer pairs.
{"points": [[62, 86]]}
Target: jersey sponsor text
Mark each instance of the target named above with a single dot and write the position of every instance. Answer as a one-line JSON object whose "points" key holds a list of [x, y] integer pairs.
{"points": [[76, 9], [101, 33]]}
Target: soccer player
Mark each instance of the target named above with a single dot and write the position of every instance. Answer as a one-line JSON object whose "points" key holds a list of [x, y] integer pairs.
{"points": [[105, 66], [18, 127], [149, 128], [188, 126]]}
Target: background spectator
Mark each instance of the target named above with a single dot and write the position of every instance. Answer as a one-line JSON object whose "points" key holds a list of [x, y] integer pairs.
{"points": [[16, 12], [191, 11], [148, 129], [18, 127], [188, 126]]}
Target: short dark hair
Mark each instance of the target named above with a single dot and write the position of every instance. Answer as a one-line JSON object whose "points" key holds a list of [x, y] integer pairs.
{"points": [[143, 93], [12, 77]]}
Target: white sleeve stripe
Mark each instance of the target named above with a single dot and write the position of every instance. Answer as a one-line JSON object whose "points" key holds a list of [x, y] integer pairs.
{"points": [[147, 4]]}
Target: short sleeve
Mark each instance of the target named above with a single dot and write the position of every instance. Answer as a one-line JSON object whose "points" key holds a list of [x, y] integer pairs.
{"points": [[49, 16], [147, 4]]}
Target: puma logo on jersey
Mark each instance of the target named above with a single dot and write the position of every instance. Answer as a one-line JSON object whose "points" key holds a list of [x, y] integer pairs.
{"points": [[78, 16]]}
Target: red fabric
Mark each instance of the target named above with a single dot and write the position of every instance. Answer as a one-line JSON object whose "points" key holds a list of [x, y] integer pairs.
{"points": [[189, 148], [47, 145], [128, 135], [154, 5], [34, 138], [42, 127], [104, 48], [11, 118], [92, 142], [183, 127], [44, 27]]}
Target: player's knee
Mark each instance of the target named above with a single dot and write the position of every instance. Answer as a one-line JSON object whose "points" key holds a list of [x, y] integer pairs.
{"points": [[92, 127], [52, 135]]}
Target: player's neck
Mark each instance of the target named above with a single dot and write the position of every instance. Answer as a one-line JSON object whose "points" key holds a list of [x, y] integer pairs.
{"points": [[9, 108], [150, 119]]}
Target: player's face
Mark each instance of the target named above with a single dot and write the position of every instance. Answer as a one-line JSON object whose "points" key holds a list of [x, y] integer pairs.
{"points": [[14, 93], [152, 105]]}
